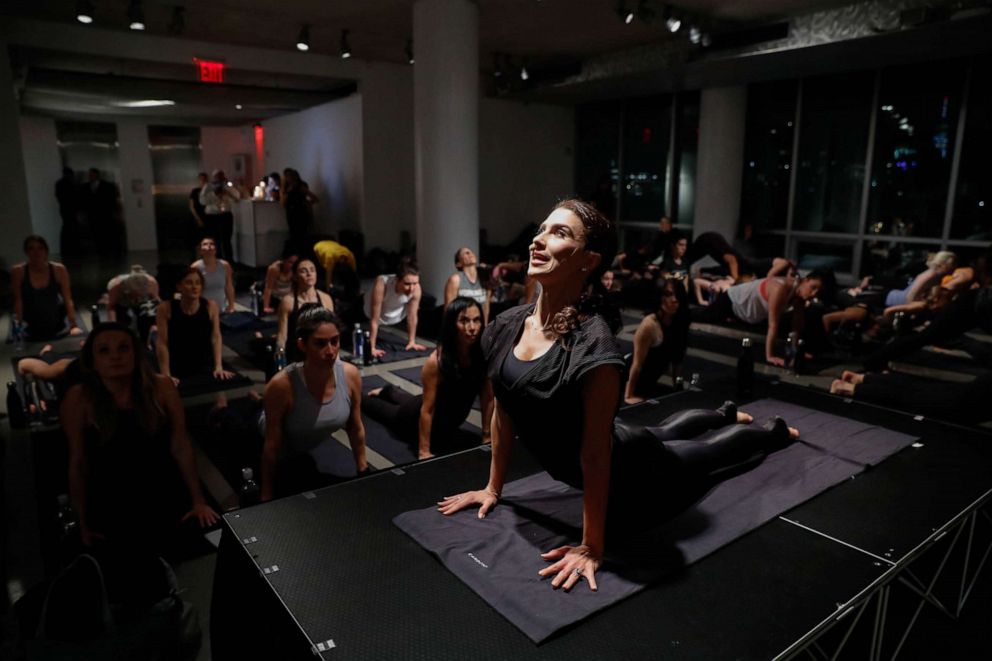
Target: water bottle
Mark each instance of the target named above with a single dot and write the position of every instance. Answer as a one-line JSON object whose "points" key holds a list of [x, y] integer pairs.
{"points": [[899, 322], [250, 493], [253, 292], [270, 363], [33, 396], [797, 363], [358, 343], [679, 384], [15, 407], [66, 517], [94, 316], [790, 350], [18, 331], [367, 349], [745, 370], [694, 380], [280, 360]]}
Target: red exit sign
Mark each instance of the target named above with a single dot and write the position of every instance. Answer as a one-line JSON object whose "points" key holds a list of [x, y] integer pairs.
{"points": [[209, 71]]}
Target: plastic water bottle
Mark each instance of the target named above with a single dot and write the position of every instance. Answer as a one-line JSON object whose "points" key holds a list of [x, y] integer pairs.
{"points": [[280, 359], [679, 384], [17, 331], [250, 493], [66, 517], [358, 343], [367, 349], [790, 350], [15, 407], [745, 370], [899, 322], [94, 316], [253, 292], [797, 363], [694, 380], [33, 396], [270, 363]]}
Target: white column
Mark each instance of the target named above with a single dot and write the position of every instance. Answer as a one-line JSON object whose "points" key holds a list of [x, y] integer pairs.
{"points": [[15, 210], [136, 184], [446, 134], [42, 167], [720, 164]]}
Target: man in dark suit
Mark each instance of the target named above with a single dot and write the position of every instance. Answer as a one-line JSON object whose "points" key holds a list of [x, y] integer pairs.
{"points": [[98, 201]]}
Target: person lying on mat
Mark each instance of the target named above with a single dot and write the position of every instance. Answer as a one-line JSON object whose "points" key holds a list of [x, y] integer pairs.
{"points": [[392, 299], [763, 300], [304, 292], [660, 342], [453, 375], [555, 369], [189, 340], [306, 403], [42, 294], [278, 282], [62, 373], [127, 437], [218, 275], [133, 295]]}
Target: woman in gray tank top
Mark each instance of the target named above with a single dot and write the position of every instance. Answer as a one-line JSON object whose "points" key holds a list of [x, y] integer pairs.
{"points": [[218, 276], [305, 404], [467, 282]]}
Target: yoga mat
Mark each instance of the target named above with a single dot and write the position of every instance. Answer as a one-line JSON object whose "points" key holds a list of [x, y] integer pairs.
{"points": [[412, 374], [233, 321], [395, 350], [241, 341], [200, 384], [498, 557], [731, 346]]}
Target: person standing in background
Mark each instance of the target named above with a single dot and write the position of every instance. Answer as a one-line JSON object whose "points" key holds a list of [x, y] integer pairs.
{"points": [[218, 198], [98, 202], [197, 210], [297, 199], [67, 194]]}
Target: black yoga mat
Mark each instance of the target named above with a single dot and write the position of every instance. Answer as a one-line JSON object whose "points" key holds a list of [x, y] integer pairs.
{"points": [[396, 350], [412, 374], [200, 384], [498, 557], [244, 343], [731, 346]]}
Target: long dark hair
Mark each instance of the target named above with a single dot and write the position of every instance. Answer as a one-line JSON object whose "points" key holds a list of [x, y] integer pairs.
{"points": [[148, 411], [448, 360], [600, 238]]}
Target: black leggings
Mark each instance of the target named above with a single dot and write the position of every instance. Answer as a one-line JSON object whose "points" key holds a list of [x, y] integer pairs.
{"points": [[396, 408], [717, 312]]}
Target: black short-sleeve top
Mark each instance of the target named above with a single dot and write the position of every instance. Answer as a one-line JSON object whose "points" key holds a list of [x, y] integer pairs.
{"points": [[545, 402]]}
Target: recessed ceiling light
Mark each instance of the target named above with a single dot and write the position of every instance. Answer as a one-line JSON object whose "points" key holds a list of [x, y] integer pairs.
{"points": [[345, 47], [303, 40], [136, 15], [238, 106], [84, 11], [144, 103]]}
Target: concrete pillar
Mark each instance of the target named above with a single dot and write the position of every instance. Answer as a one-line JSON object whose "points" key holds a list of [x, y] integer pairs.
{"points": [[137, 178], [446, 134], [719, 168], [15, 210], [42, 167]]}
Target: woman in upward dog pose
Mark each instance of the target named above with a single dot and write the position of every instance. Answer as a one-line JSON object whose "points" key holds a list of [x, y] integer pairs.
{"points": [[555, 369]]}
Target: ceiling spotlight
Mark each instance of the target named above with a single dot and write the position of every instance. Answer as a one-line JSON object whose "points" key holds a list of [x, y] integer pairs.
{"points": [[135, 15], [695, 35], [345, 48], [238, 106], [497, 66], [625, 14], [84, 11], [178, 22], [672, 22], [409, 51], [523, 73], [303, 40]]}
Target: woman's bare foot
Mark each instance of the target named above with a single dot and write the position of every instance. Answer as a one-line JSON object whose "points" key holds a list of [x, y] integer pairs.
{"points": [[45, 349], [744, 418], [374, 392], [852, 377], [254, 396], [839, 387], [793, 433]]}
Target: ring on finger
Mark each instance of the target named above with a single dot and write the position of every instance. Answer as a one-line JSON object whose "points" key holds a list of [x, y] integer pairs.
{"points": [[578, 572]]}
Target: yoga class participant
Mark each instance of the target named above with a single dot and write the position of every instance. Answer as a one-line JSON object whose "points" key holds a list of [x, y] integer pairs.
{"points": [[555, 369], [305, 294], [278, 282], [189, 340], [218, 277], [467, 282], [129, 455], [659, 343], [305, 404], [392, 299], [454, 374], [42, 294]]}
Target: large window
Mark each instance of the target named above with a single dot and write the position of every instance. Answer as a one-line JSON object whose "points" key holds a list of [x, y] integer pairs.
{"points": [[915, 125], [973, 202], [771, 113], [832, 148], [646, 138], [597, 167]]}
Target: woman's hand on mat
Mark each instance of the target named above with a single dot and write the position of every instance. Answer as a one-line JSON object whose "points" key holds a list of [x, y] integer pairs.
{"points": [[203, 514], [574, 563], [175, 381], [378, 353], [775, 360], [223, 374], [268, 309], [451, 504], [75, 330], [633, 400], [414, 346]]}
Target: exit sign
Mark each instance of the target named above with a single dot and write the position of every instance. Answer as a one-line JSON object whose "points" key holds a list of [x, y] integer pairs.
{"points": [[209, 71]]}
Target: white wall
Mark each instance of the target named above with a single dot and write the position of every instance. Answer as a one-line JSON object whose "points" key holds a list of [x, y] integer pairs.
{"points": [[324, 144], [137, 201], [526, 164], [42, 167], [218, 146]]}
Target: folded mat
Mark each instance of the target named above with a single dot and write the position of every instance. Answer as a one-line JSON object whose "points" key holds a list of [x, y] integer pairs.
{"points": [[498, 557]]}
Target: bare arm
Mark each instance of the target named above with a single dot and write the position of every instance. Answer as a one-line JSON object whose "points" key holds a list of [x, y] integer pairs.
{"points": [[450, 290], [278, 400], [780, 266], [112, 297], [162, 314], [645, 335], [62, 276], [228, 286], [430, 375], [919, 284], [412, 310], [182, 453], [778, 299], [215, 339], [355, 428], [285, 306], [271, 274], [378, 294], [915, 306]]}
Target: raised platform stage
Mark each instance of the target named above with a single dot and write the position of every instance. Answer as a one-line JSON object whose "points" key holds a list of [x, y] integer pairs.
{"points": [[327, 575]]}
